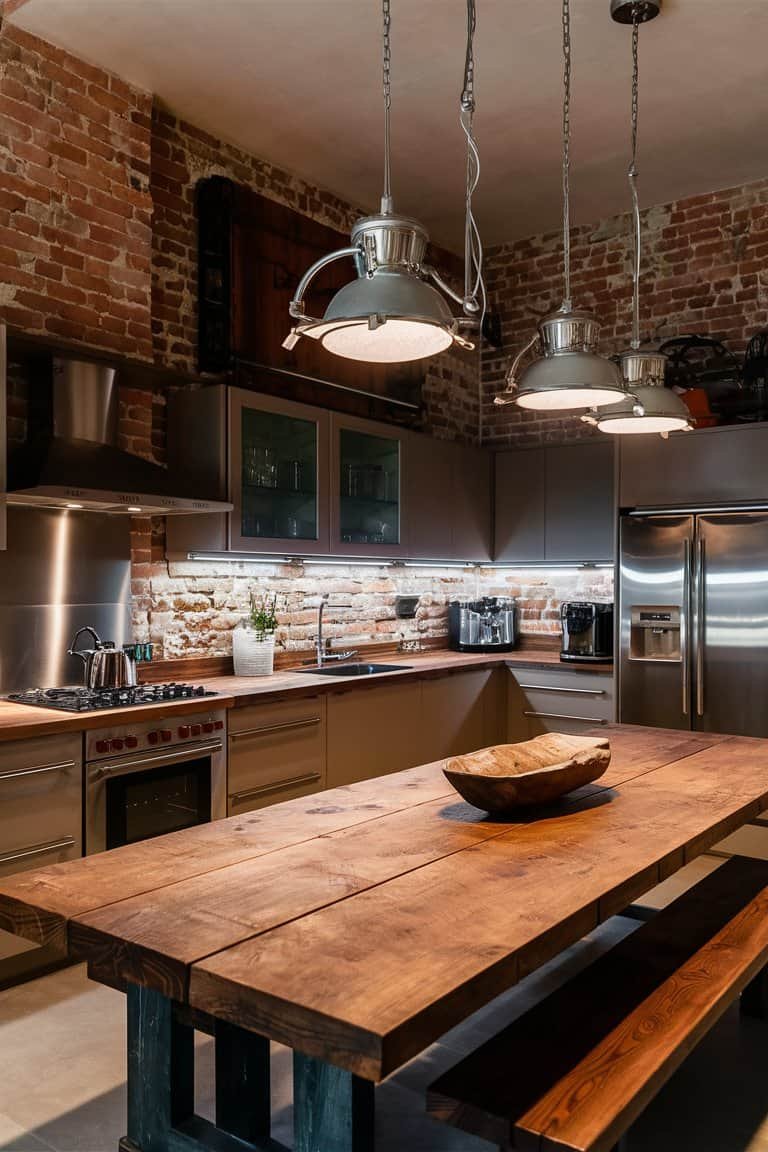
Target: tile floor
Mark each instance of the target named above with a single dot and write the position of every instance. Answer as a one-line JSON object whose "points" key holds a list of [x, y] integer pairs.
{"points": [[62, 1071]]}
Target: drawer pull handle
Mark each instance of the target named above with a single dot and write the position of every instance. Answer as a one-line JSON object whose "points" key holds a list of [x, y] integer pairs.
{"points": [[238, 797], [571, 691], [37, 850], [561, 716], [266, 731], [63, 767]]}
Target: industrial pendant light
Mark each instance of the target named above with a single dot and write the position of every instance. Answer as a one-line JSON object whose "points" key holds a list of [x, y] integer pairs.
{"points": [[650, 405], [568, 373], [391, 313]]}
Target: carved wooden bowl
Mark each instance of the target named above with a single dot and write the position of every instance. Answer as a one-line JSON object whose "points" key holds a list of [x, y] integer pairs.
{"points": [[537, 771]]}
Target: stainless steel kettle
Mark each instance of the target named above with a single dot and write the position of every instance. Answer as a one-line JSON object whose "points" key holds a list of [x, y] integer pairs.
{"points": [[105, 666]]}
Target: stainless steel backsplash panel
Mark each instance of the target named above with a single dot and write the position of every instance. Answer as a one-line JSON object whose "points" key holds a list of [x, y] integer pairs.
{"points": [[61, 570]]}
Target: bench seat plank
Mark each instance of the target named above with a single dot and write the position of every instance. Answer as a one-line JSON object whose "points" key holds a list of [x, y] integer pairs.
{"points": [[577, 1069]]}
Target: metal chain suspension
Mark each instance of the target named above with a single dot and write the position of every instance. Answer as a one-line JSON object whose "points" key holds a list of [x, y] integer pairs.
{"points": [[386, 200], [566, 154], [633, 183]]}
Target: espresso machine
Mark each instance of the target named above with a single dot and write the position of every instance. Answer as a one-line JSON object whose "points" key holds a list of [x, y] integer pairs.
{"points": [[486, 625]]}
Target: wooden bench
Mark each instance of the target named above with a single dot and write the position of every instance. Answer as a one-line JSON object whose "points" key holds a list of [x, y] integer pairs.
{"points": [[577, 1069]]}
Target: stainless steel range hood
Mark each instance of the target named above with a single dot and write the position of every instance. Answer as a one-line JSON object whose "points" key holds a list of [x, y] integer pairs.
{"points": [[75, 461]]}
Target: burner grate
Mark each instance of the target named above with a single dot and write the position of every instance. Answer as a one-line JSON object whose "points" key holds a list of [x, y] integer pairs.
{"points": [[88, 700]]}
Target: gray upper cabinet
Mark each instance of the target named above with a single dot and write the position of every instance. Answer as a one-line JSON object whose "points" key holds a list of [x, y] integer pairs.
{"points": [[448, 498], [579, 504], [555, 503], [711, 466], [519, 499]]}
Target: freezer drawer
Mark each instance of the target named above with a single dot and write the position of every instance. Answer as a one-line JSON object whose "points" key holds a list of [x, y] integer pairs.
{"points": [[557, 701]]}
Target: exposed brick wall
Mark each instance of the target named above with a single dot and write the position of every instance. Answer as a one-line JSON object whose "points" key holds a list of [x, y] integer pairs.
{"points": [[705, 270], [190, 609], [75, 207]]}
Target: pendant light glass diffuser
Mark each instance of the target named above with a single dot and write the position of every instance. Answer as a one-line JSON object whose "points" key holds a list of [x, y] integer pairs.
{"points": [[650, 406], [568, 373], [391, 313]]}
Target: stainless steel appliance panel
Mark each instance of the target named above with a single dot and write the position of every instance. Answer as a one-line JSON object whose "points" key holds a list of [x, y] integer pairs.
{"points": [[730, 668], [61, 570], [655, 565]]}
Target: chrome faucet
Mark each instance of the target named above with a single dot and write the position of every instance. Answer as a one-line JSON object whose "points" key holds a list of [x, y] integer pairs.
{"points": [[323, 655]]}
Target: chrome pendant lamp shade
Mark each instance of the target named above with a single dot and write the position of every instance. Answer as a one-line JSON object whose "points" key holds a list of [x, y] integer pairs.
{"points": [[392, 313], [650, 407], [568, 373]]}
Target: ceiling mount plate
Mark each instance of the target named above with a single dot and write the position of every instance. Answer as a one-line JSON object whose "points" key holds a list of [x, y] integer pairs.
{"points": [[627, 11]]}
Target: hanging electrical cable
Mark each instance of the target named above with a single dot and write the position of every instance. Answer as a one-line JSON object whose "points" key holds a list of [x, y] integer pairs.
{"points": [[649, 406], [391, 313], [568, 373]]}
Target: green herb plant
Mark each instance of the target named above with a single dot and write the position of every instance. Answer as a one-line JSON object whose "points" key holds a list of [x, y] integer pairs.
{"points": [[263, 615]]}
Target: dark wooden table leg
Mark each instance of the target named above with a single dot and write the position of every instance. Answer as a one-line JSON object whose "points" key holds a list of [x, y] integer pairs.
{"points": [[333, 1110], [161, 1071], [242, 1083]]}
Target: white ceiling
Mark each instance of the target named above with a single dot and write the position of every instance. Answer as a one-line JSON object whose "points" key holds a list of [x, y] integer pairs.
{"points": [[297, 82]]}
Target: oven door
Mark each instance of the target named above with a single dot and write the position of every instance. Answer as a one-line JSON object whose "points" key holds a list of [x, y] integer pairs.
{"points": [[136, 797]]}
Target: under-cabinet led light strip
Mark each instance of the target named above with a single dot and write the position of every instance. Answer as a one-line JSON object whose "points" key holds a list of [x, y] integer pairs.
{"points": [[369, 562]]}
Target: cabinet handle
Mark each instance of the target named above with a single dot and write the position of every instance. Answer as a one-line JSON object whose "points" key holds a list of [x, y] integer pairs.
{"points": [[63, 767], [275, 728], [37, 850], [572, 691], [238, 797], [561, 716]]}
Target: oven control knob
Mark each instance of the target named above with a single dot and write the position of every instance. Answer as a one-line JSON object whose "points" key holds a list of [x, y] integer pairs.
{"points": [[153, 737], [165, 735], [131, 742], [116, 745], [183, 731], [218, 725], [195, 729], [102, 746], [208, 726]]}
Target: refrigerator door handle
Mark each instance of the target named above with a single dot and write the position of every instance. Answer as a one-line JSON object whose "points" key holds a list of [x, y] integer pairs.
{"points": [[700, 636], [685, 658]]}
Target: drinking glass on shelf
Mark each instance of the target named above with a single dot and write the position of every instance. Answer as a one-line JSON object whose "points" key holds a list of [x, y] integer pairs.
{"points": [[266, 467]]}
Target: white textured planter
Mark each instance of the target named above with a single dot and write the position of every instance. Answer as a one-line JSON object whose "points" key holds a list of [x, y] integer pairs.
{"points": [[251, 656]]}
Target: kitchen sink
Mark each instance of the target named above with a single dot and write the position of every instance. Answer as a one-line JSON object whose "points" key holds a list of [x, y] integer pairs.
{"points": [[354, 669]]}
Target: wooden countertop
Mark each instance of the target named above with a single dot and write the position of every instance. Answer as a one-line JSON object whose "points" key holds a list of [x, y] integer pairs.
{"points": [[360, 926], [21, 721]]}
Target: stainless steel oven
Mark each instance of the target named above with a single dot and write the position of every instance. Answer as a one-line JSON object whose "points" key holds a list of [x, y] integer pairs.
{"points": [[146, 779]]}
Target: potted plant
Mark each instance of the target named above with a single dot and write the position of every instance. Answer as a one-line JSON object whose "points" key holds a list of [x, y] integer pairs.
{"points": [[253, 639]]}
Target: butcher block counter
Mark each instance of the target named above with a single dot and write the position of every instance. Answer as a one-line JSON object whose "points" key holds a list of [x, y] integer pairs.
{"points": [[360, 928], [20, 721]]}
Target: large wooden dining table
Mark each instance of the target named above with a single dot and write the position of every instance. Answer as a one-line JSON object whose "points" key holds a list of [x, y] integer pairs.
{"points": [[360, 924]]}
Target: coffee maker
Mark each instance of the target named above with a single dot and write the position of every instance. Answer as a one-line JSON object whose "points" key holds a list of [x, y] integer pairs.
{"points": [[587, 631], [486, 625]]}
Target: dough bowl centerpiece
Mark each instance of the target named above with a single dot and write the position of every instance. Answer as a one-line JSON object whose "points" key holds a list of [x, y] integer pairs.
{"points": [[537, 771]]}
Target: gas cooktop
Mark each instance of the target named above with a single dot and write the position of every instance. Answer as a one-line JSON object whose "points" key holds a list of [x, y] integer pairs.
{"points": [[93, 700]]}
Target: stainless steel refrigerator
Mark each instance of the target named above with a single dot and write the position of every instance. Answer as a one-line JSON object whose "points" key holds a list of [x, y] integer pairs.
{"points": [[693, 609]]}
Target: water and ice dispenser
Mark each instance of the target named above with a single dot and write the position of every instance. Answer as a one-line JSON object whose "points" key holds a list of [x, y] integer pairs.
{"points": [[654, 632]]}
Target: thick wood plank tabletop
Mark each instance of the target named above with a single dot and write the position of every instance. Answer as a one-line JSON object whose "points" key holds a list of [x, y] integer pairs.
{"points": [[370, 981], [359, 924]]}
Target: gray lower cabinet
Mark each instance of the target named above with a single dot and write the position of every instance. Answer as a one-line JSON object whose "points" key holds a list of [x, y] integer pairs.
{"points": [[713, 465], [559, 700], [555, 503]]}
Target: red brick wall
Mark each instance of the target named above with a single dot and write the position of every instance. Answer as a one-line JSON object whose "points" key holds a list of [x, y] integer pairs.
{"points": [[705, 270], [75, 207]]}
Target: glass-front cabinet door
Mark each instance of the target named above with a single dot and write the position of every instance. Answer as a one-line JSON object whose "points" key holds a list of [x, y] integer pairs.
{"points": [[279, 475], [366, 488]]}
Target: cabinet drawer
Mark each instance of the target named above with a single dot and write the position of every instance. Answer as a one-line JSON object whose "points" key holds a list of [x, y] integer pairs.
{"points": [[276, 752], [558, 701], [41, 802]]}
